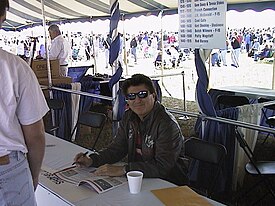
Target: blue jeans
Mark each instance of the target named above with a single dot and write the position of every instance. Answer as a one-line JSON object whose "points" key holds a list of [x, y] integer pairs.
{"points": [[16, 185], [215, 59], [134, 53]]}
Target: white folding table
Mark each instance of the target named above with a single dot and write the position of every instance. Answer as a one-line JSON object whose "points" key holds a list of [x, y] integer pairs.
{"points": [[59, 154]]}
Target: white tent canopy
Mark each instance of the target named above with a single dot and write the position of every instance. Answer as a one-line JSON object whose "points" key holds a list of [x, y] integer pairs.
{"points": [[27, 13]]}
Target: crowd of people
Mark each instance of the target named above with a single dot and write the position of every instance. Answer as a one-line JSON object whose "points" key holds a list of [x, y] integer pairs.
{"points": [[257, 43], [83, 47]]}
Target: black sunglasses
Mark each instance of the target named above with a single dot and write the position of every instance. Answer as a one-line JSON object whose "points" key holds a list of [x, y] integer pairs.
{"points": [[140, 94]]}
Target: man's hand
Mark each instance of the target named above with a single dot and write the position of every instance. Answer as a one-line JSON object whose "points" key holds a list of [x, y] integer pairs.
{"points": [[110, 170], [82, 160]]}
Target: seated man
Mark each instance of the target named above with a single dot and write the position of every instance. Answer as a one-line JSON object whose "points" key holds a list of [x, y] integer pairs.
{"points": [[254, 49], [148, 134], [263, 54], [215, 57]]}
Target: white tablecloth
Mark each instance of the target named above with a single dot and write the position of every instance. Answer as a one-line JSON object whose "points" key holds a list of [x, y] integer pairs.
{"points": [[59, 154]]}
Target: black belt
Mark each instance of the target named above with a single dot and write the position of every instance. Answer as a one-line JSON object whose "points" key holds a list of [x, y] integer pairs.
{"points": [[64, 65]]}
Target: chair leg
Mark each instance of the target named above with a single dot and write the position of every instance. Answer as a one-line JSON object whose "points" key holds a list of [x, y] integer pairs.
{"points": [[269, 191], [268, 187], [265, 138], [271, 188], [244, 193], [260, 199], [271, 126]]}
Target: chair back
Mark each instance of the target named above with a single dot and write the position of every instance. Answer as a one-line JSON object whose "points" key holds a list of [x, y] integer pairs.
{"points": [[227, 101], [268, 114], [204, 151], [263, 100], [55, 105], [93, 120], [211, 153]]}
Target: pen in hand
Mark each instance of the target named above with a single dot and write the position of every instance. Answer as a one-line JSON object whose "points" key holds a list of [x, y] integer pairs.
{"points": [[83, 155]]}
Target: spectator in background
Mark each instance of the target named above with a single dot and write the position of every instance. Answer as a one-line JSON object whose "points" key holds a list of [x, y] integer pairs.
{"points": [[60, 49], [154, 46], [215, 58], [106, 44], [172, 39], [85, 41], [174, 56], [20, 49], [236, 46], [223, 53], [263, 53], [255, 48], [121, 49], [133, 46], [247, 41], [22, 135], [41, 52]]}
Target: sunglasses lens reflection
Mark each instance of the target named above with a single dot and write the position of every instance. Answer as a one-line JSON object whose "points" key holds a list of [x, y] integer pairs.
{"points": [[140, 94]]}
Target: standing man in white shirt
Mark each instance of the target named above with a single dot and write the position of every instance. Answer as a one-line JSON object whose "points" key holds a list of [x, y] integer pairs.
{"points": [[60, 49], [22, 134]]}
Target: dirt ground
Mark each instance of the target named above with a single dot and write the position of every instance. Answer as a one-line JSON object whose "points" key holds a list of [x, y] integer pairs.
{"points": [[249, 73]]}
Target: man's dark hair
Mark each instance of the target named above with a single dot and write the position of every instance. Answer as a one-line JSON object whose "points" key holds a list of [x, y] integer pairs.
{"points": [[4, 5], [136, 80]]}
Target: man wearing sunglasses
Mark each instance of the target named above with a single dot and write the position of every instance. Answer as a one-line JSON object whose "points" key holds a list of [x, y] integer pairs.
{"points": [[148, 134]]}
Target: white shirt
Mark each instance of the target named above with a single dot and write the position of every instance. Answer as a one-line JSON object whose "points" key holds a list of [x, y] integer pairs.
{"points": [[60, 49], [21, 102], [256, 46]]}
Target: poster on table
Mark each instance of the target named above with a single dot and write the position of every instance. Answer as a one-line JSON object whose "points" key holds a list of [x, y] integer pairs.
{"points": [[202, 24]]}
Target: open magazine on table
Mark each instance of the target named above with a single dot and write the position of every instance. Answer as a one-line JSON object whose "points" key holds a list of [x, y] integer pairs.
{"points": [[85, 177]]}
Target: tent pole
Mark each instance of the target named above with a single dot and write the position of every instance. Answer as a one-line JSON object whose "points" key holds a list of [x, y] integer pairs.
{"points": [[46, 46], [124, 42], [69, 40], [48, 63], [114, 34], [162, 46], [208, 72], [162, 52], [273, 75], [94, 53], [94, 56]]}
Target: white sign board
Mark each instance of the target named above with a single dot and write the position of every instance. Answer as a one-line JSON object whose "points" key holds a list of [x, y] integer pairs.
{"points": [[202, 24]]}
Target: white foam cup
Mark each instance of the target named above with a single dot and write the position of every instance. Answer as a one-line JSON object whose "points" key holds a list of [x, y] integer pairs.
{"points": [[134, 181]]}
